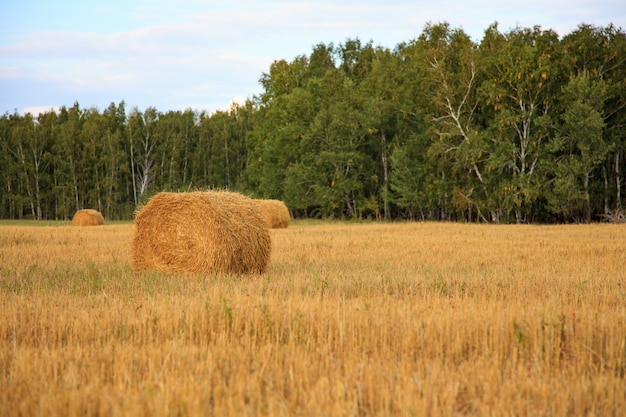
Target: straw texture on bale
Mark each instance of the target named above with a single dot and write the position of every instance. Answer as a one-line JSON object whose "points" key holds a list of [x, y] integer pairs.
{"points": [[275, 213], [88, 217], [200, 233]]}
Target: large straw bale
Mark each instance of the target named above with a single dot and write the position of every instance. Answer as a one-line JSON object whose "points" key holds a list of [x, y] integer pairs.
{"points": [[201, 232], [275, 213], [88, 217]]}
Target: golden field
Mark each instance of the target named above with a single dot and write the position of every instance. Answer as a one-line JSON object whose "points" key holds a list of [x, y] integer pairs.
{"points": [[402, 319]]}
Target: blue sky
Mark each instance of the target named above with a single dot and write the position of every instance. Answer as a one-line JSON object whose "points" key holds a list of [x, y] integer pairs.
{"points": [[176, 55]]}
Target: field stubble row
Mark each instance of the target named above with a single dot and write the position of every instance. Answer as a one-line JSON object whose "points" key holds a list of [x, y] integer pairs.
{"points": [[350, 319]]}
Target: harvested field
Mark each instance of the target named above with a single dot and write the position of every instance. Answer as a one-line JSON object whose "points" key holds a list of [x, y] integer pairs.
{"points": [[407, 319]]}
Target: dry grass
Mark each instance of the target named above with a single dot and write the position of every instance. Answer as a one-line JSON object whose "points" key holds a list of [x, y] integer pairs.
{"points": [[87, 217], [372, 319]]}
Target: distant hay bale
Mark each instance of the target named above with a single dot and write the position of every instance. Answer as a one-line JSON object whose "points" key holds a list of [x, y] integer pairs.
{"points": [[200, 233], [88, 217], [275, 213]]}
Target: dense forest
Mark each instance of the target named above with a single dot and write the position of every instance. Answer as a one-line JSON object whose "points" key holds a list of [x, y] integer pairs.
{"points": [[523, 126]]}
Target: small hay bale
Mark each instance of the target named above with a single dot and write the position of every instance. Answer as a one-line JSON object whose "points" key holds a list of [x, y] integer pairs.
{"points": [[200, 233], [88, 217], [275, 213]]}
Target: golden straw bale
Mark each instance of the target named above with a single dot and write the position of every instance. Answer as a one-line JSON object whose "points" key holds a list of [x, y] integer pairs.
{"points": [[200, 233], [275, 213], [88, 217]]}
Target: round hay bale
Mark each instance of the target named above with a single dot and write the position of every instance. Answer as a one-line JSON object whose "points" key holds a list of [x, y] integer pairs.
{"points": [[200, 233], [88, 217], [275, 213]]}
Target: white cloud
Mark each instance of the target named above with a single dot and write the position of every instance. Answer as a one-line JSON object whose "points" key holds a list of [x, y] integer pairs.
{"points": [[177, 54], [37, 110], [10, 72]]}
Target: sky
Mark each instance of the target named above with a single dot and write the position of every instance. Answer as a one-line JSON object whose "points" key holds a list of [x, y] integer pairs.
{"points": [[203, 55]]}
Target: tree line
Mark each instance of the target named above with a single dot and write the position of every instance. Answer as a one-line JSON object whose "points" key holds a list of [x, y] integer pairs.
{"points": [[523, 126]]}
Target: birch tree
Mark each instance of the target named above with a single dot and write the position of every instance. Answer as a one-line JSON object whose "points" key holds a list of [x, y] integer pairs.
{"points": [[142, 149], [452, 61], [521, 78]]}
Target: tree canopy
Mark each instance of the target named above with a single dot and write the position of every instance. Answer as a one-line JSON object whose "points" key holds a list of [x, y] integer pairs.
{"points": [[522, 126]]}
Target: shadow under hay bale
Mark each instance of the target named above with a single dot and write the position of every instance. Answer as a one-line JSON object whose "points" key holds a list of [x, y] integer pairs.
{"points": [[275, 213], [200, 233], [88, 217]]}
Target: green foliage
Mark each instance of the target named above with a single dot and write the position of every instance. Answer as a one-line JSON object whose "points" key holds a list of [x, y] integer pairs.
{"points": [[581, 148], [565, 197]]}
